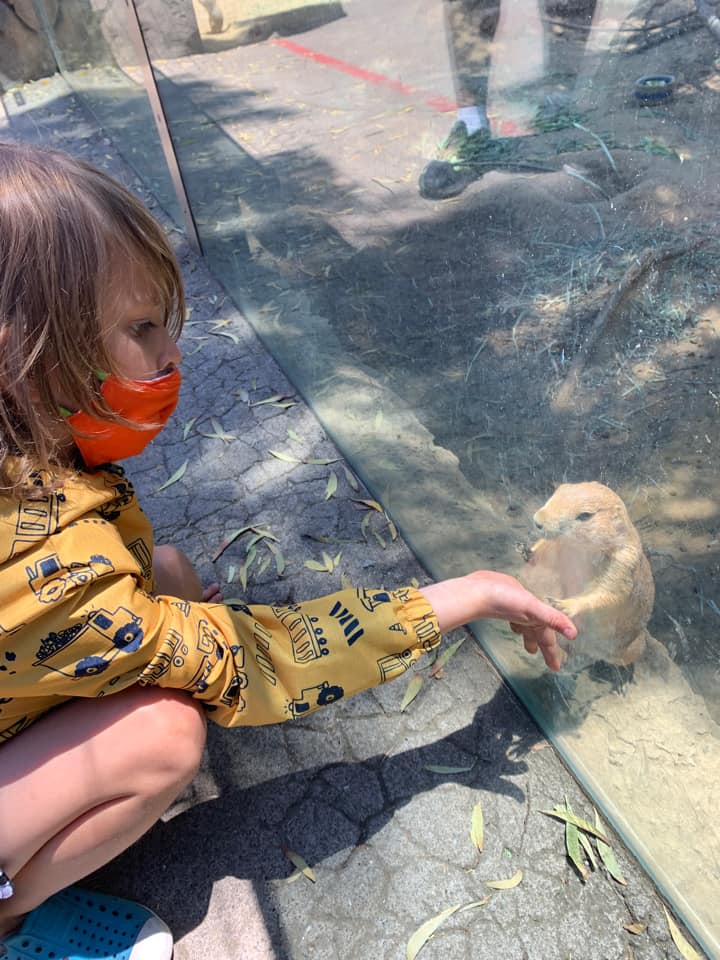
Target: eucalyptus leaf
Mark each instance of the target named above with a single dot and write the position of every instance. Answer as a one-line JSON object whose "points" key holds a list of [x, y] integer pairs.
{"points": [[477, 826], [331, 486], [299, 863], [443, 657], [279, 558], [561, 814], [572, 845], [411, 691], [188, 427], [444, 771], [607, 855], [688, 952], [288, 458], [351, 479], [423, 933], [178, 475], [316, 565], [508, 884]]}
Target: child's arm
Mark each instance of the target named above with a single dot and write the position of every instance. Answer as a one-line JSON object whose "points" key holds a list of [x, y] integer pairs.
{"points": [[260, 664]]}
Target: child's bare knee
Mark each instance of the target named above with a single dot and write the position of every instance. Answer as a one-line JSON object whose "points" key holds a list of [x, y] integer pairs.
{"points": [[174, 728]]}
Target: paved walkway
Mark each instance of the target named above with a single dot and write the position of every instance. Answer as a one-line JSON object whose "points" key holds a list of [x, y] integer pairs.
{"points": [[355, 789]]}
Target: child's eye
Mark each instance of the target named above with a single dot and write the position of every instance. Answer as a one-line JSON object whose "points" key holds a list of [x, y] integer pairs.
{"points": [[142, 328]]}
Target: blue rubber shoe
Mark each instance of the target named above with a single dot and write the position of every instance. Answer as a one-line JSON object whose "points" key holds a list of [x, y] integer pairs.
{"points": [[81, 925]]}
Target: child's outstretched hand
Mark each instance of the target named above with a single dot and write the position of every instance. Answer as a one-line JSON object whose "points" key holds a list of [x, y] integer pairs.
{"points": [[496, 596]]}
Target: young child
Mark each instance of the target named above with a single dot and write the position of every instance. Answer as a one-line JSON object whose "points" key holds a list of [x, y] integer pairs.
{"points": [[111, 653]]}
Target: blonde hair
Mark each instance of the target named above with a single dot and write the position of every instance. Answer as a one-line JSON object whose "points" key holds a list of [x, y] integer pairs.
{"points": [[65, 228]]}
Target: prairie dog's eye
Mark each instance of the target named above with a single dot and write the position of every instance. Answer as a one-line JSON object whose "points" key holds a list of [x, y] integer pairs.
{"points": [[585, 516]]}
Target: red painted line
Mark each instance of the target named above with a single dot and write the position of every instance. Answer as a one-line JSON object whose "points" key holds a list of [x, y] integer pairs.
{"points": [[437, 101]]}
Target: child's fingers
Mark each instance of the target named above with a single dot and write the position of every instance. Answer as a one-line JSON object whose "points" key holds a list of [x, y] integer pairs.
{"points": [[543, 639], [211, 593]]}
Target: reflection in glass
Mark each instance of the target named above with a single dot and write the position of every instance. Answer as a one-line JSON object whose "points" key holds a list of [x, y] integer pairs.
{"points": [[481, 238]]}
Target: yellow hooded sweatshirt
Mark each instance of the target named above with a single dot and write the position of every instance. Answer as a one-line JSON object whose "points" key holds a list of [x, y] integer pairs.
{"points": [[78, 618]]}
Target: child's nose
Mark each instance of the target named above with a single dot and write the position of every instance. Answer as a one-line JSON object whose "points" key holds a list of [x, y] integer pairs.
{"points": [[171, 356]]}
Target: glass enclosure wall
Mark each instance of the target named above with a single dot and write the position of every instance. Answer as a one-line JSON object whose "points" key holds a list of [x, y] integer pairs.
{"points": [[481, 237]]}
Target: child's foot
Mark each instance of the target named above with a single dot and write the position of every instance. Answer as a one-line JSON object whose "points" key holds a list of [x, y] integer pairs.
{"points": [[79, 923]]}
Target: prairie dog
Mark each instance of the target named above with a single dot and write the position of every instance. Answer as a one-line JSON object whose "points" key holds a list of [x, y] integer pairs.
{"points": [[590, 564]]}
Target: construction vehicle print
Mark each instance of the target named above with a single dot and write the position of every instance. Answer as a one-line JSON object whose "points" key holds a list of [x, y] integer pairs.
{"points": [[109, 632], [307, 641], [394, 664], [172, 655], [49, 577], [318, 696], [37, 518]]}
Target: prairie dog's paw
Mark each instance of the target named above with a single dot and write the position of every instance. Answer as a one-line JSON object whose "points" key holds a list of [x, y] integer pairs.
{"points": [[570, 607]]}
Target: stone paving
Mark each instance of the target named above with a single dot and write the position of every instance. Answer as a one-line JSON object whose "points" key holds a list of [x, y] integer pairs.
{"points": [[349, 788]]}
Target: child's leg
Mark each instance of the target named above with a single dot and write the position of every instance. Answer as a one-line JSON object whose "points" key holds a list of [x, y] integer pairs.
{"points": [[175, 577], [85, 781]]}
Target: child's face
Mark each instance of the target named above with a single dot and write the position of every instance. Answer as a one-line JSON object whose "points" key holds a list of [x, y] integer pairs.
{"points": [[136, 336]]}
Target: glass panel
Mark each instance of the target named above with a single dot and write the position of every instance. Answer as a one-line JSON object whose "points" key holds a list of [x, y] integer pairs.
{"points": [[481, 312], [90, 42]]}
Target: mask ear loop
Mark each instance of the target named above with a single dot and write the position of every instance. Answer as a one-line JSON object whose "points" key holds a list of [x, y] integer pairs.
{"points": [[6, 887], [65, 413]]}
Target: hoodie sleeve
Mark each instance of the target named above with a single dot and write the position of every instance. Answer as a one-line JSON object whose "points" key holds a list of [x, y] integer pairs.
{"points": [[248, 665]]}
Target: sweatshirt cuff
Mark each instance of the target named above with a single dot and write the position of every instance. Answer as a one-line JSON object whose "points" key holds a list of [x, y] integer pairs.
{"points": [[420, 618]]}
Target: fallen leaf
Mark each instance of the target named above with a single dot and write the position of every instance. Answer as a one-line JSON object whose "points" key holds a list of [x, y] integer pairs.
{"points": [[331, 487], [293, 436], [572, 845], [188, 427], [637, 929], [423, 933], [322, 461], [279, 558], [508, 884], [223, 333], [477, 827], [587, 846], [245, 568], [688, 952], [288, 458], [223, 546], [439, 768], [231, 571], [411, 691], [297, 861], [607, 855], [274, 399], [563, 815], [443, 658], [370, 504], [264, 564], [378, 538], [364, 525], [178, 475], [392, 528], [316, 565], [351, 479]]}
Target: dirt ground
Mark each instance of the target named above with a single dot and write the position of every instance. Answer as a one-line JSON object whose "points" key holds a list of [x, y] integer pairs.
{"points": [[482, 310]]}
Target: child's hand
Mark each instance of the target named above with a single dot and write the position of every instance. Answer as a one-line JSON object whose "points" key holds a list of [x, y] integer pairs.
{"points": [[489, 595]]}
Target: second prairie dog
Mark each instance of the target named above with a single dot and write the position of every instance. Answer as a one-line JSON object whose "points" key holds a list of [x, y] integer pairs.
{"points": [[590, 564]]}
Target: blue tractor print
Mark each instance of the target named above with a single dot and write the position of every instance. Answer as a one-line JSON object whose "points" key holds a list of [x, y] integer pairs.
{"points": [[322, 695]]}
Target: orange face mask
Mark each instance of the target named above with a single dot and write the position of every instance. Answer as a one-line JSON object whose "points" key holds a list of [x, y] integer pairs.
{"points": [[141, 402]]}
